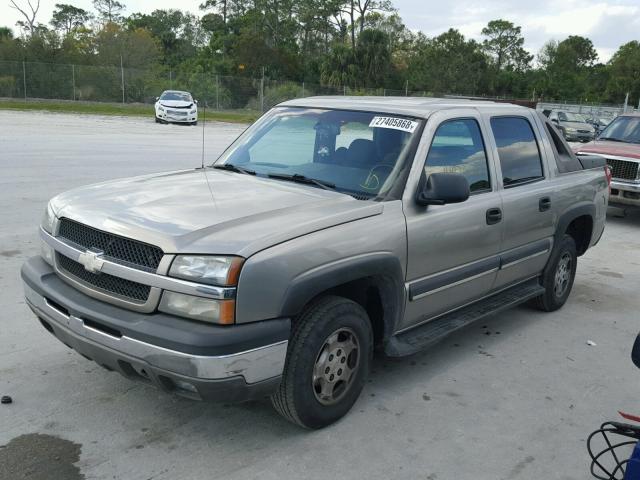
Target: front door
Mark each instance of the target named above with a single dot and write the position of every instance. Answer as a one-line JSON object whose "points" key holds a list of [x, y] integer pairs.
{"points": [[453, 249]]}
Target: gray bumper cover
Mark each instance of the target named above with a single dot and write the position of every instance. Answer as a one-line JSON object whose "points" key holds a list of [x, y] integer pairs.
{"points": [[234, 376]]}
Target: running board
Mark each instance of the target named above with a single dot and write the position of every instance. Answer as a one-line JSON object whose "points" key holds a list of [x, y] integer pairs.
{"points": [[426, 335]]}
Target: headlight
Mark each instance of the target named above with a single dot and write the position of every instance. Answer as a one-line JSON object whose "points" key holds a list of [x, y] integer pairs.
{"points": [[570, 129], [222, 271], [161, 109], [198, 308], [47, 219]]}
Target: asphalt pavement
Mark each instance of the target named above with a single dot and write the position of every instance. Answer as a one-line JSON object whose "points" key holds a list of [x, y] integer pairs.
{"points": [[513, 397]]}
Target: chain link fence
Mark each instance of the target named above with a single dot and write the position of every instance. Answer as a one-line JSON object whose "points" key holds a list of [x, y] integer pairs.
{"points": [[93, 83], [35, 80]]}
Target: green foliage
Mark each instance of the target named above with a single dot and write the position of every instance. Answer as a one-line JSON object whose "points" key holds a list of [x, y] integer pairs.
{"points": [[624, 72], [67, 18], [336, 45], [448, 63]]}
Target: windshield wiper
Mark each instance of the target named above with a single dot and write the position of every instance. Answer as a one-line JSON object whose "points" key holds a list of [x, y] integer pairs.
{"points": [[296, 177], [229, 167]]}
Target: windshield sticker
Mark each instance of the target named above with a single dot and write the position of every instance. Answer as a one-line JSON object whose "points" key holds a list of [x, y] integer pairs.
{"points": [[395, 123]]}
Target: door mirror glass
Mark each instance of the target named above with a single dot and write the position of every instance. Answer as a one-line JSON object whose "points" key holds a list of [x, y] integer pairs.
{"points": [[443, 188]]}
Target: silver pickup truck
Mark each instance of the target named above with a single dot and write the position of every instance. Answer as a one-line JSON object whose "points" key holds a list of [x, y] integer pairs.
{"points": [[331, 227]]}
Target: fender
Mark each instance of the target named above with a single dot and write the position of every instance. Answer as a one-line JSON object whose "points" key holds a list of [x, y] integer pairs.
{"points": [[384, 268], [570, 215]]}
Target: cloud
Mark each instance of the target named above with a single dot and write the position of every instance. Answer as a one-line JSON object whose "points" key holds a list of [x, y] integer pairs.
{"points": [[608, 24]]}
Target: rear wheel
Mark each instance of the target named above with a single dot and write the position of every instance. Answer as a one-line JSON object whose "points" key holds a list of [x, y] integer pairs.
{"points": [[327, 364], [558, 276]]}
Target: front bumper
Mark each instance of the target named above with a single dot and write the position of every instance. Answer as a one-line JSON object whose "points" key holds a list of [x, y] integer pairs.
{"points": [[168, 117], [624, 194], [207, 362], [579, 137]]}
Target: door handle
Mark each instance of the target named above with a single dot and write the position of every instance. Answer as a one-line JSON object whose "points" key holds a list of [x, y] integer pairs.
{"points": [[494, 215], [544, 204]]}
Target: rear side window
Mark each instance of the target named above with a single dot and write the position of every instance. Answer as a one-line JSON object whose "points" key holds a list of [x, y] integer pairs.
{"points": [[457, 147], [518, 150]]}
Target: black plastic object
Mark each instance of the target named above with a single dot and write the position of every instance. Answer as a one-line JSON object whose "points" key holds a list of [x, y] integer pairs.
{"points": [[609, 447], [6, 399], [592, 161], [635, 353], [443, 188]]}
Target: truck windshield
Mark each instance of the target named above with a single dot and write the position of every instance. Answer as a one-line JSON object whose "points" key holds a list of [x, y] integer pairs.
{"points": [[358, 153], [623, 129]]}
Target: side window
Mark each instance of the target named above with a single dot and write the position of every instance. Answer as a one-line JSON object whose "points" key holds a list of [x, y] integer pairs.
{"points": [[458, 147], [518, 150]]}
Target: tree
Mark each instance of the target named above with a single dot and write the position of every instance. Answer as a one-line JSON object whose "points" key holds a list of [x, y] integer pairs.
{"points": [[29, 25], [504, 43], [374, 58], [109, 10], [6, 34], [624, 70], [567, 66], [448, 63], [179, 32], [339, 67], [67, 18], [364, 7]]}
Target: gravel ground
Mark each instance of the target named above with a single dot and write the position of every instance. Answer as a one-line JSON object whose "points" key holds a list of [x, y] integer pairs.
{"points": [[511, 398]]}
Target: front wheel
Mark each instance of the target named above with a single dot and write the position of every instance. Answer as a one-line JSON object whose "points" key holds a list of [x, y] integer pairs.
{"points": [[558, 276], [327, 364]]}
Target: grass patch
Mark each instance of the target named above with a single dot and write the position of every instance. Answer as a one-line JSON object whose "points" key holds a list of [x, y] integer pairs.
{"points": [[129, 110]]}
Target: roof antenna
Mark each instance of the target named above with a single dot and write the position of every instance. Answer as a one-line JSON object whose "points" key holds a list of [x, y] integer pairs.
{"points": [[204, 118]]}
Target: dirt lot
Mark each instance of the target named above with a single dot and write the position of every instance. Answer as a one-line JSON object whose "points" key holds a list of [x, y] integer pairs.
{"points": [[511, 398]]}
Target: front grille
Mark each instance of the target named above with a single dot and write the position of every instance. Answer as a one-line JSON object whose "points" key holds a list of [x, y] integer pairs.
{"points": [[119, 249], [623, 169], [108, 284], [585, 131], [177, 112]]}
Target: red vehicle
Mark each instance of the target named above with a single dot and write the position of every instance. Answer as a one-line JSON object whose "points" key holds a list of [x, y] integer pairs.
{"points": [[619, 143]]}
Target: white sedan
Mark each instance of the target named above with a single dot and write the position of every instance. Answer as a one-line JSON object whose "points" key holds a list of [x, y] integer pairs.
{"points": [[176, 107]]}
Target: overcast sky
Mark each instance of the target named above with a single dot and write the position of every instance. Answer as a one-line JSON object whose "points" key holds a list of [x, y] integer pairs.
{"points": [[608, 23]]}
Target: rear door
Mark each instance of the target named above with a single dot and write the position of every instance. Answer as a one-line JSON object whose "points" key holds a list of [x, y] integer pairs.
{"points": [[526, 196], [452, 249]]}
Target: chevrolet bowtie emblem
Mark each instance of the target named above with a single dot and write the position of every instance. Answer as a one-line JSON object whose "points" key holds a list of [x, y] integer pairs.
{"points": [[92, 260]]}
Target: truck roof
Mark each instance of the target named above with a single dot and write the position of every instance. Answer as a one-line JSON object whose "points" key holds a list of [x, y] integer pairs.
{"points": [[412, 106]]}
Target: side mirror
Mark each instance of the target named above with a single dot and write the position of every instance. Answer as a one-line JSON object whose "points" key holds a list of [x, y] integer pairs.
{"points": [[195, 101], [157, 98], [443, 188], [635, 353]]}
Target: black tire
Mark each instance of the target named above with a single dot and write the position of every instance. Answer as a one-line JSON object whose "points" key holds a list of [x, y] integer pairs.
{"points": [[194, 123], [554, 296], [297, 398], [157, 120]]}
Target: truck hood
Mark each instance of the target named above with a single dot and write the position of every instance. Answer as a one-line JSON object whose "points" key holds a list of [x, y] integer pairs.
{"points": [[607, 147], [209, 211]]}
